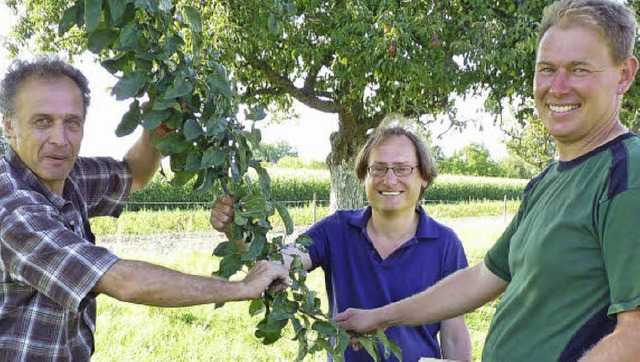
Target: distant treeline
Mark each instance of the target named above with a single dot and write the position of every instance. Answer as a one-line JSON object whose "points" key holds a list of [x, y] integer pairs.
{"points": [[302, 186]]}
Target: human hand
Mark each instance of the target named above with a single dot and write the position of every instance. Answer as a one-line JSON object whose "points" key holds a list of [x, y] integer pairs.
{"points": [[221, 217], [359, 320], [266, 275]]}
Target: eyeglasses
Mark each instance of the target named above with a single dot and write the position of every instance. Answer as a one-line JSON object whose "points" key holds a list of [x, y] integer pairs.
{"points": [[399, 171]]}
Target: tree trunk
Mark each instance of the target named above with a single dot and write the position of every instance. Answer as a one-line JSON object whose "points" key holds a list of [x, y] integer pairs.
{"points": [[346, 190]]}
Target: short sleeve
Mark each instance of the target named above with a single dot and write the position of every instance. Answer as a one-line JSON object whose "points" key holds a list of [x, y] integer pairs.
{"points": [[621, 250], [320, 249], [497, 258]]}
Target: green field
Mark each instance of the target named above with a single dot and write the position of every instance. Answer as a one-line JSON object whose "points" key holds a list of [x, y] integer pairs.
{"points": [[204, 333]]}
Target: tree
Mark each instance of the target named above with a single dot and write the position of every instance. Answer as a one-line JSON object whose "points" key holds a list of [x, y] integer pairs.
{"points": [[361, 60], [472, 160], [514, 167], [274, 152]]}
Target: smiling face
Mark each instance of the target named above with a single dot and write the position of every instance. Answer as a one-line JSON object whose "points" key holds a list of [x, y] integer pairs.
{"points": [[577, 87], [390, 193], [48, 128]]}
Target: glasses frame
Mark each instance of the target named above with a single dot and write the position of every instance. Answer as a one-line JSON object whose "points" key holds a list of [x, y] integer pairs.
{"points": [[387, 168]]}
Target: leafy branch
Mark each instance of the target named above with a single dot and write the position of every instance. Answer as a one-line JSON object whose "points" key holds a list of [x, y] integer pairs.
{"points": [[156, 49]]}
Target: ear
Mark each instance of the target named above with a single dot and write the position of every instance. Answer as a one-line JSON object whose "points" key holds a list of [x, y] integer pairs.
{"points": [[425, 183], [628, 71], [8, 127]]}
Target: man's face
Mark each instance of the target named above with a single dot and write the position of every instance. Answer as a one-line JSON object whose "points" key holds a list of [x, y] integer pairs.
{"points": [[391, 193], [576, 85], [48, 128]]}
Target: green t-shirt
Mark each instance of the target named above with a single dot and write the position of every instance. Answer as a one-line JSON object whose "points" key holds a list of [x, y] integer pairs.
{"points": [[571, 256]]}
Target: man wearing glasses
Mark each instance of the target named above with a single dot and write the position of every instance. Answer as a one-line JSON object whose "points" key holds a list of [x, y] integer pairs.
{"points": [[387, 251]]}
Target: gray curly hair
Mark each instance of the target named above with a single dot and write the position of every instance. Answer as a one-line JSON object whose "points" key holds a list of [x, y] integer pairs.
{"points": [[43, 67]]}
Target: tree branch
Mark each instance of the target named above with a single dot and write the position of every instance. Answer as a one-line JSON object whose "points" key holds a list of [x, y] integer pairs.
{"points": [[312, 77], [306, 96]]}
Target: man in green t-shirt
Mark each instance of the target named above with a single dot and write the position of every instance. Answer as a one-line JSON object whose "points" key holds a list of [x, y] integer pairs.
{"points": [[567, 265]]}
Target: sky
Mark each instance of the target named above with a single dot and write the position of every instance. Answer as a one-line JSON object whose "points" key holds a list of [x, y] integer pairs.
{"points": [[308, 134]]}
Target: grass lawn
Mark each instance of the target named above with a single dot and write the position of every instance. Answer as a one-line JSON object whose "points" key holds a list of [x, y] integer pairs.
{"points": [[128, 332]]}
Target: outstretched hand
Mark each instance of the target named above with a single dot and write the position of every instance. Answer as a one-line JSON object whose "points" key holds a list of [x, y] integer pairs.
{"points": [[263, 275], [359, 320]]}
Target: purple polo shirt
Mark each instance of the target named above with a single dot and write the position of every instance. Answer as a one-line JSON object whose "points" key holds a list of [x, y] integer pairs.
{"points": [[357, 277]]}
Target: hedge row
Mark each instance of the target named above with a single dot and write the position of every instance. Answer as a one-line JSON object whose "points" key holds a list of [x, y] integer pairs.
{"points": [[161, 195]]}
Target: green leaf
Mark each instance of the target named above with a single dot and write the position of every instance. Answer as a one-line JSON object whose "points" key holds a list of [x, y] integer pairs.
{"points": [[270, 331], [302, 349], [194, 17], [206, 181], [162, 104], [177, 161], [130, 120], [240, 220], [92, 14], [180, 88], [225, 248], [395, 348], [219, 82], [286, 218], [115, 64], [70, 18], [171, 143], [385, 343], [324, 327], [343, 341], [256, 113], [371, 347], [263, 177], [256, 307], [180, 178], [153, 119], [192, 163], [117, 8], [280, 314], [129, 85], [256, 248], [150, 6], [101, 39], [131, 38], [274, 25], [216, 127], [213, 156], [229, 265]]}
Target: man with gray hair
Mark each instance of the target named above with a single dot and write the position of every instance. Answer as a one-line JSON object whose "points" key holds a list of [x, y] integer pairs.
{"points": [[567, 266], [50, 268]]}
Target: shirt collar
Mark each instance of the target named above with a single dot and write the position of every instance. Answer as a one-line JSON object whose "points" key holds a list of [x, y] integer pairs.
{"points": [[427, 228], [32, 180]]}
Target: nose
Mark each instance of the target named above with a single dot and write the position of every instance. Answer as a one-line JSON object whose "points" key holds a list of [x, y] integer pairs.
{"points": [[560, 83], [58, 134], [390, 177]]}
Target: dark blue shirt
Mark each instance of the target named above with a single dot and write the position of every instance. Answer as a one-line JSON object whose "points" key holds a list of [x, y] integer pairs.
{"points": [[357, 277]]}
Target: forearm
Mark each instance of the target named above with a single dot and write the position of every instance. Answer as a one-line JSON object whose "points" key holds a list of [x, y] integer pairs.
{"points": [[455, 295], [143, 283], [455, 339], [622, 344], [143, 159], [290, 250]]}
